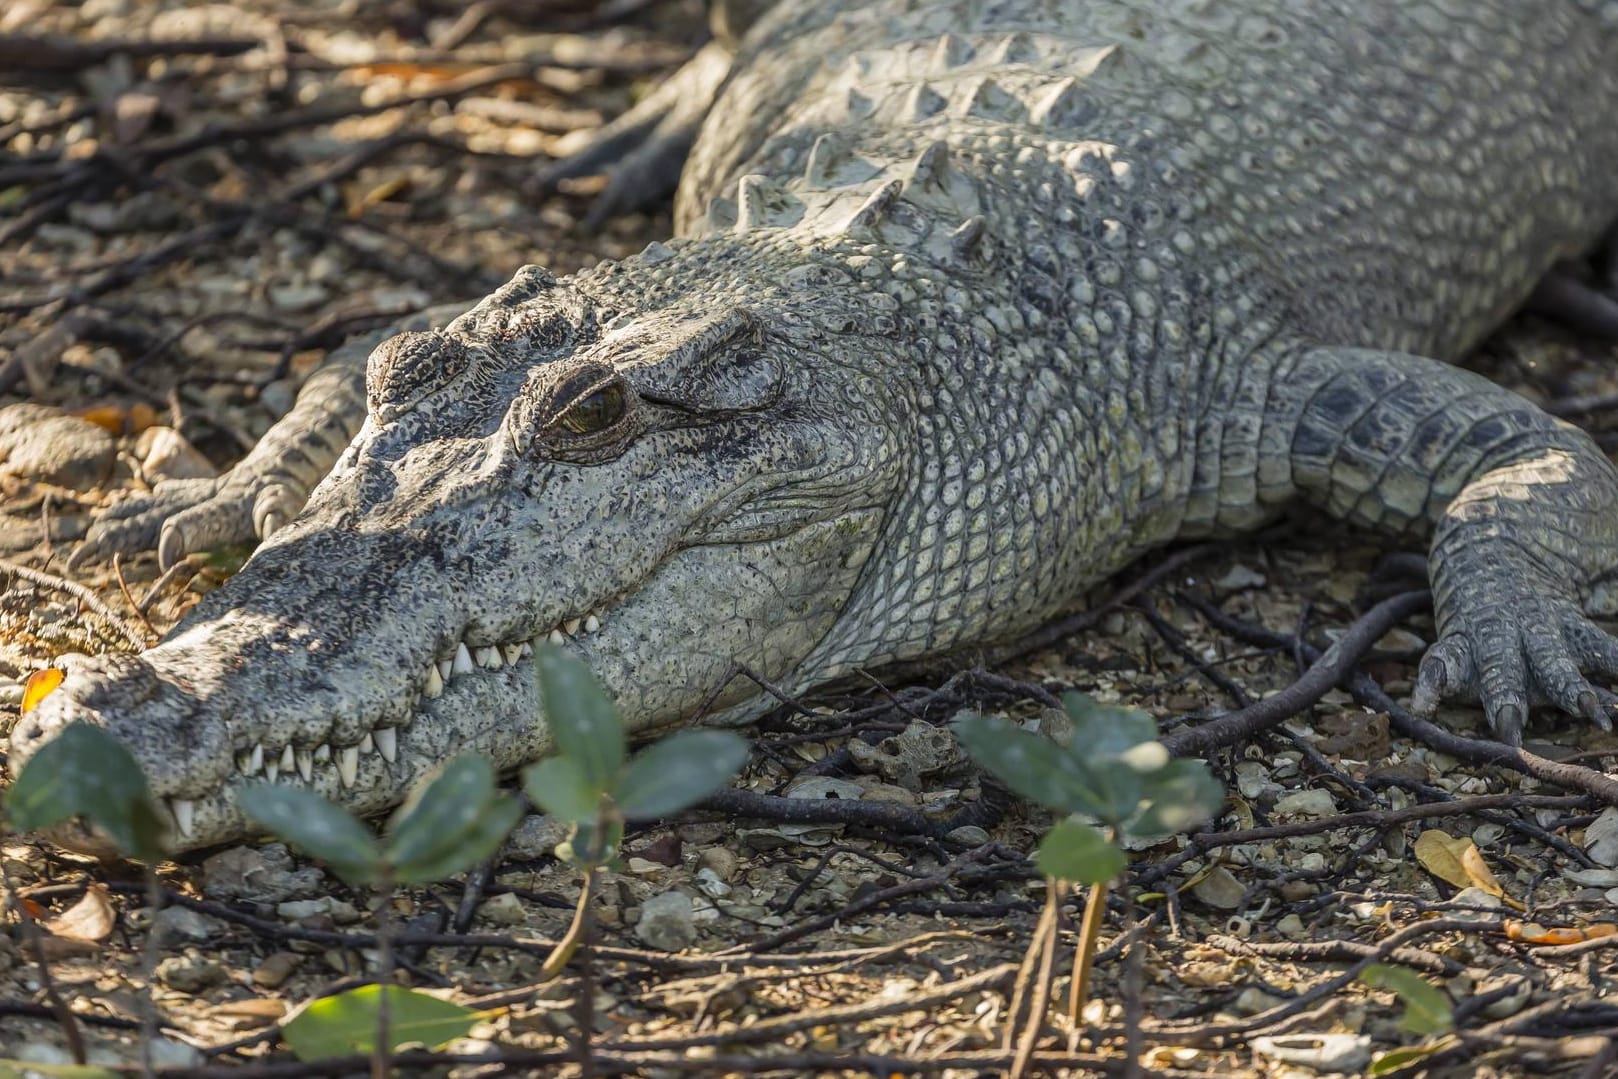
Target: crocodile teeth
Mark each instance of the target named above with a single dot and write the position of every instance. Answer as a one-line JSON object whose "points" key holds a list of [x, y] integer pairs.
{"points": [[489, 658], [367, 744], [591, 624], [435, 682], [322, 753], [556, 637], [306, 764], [185, 814], [445, 668], [289, 758], [387, 743], [272, 769], [256, 764], [348, 765], [463, 660], [244, 762], [571, 627], [511, 652], [525, 649]]}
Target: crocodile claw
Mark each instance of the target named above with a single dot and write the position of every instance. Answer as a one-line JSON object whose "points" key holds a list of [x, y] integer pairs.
{"points": [[1518, 651]]}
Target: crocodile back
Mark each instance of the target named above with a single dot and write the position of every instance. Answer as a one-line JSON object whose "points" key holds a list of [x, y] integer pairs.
{"points": [[1386, 173]]}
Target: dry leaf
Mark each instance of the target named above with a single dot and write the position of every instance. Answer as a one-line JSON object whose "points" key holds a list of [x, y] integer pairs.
{"points": [[1441, 855], [1534, 933], [90, 919]]}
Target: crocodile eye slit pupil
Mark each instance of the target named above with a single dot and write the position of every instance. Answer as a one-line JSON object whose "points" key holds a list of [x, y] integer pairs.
{"points": [[596, 412]]}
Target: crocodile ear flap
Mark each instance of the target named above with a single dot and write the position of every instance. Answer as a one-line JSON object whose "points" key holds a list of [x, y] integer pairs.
{"points": [[403, 370], [718, 364]]}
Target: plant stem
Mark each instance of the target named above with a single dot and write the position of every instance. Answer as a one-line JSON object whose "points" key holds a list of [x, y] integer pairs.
{"points": [[154, 947], [1095, 908], [557, 961], [1039, 992], [36, 944], [587, 987], [380, 1061]]}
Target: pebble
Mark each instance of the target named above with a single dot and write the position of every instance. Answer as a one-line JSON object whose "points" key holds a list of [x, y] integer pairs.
{"points": [[667, 922], [722, 862], [258, 874], [179, 923], [968, 835], [505, 909], [190, 974], [276, 969], [165, 454], [1306, 803], [49, 446], [536, 836]]}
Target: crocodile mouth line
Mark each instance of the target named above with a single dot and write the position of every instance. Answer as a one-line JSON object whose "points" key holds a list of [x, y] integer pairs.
{"points": [[309, 764]]}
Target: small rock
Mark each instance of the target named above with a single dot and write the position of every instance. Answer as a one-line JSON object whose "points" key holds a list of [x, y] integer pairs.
{"points": [[297, 910], [43, 1053], [1220, 889], [297, 297], [968, 835], [666, 922], [1593, 878], [190, 974], [258, 874], [711, 885], [1338, 1053], [165, 454], [49, 446], [536, 836], [505, 909], [1314, 802], [179, 923], [276, 969], [908, 757], [1238, 579], [722, 862], [1057, 725], [167, 1053], [1601, 838], [821, 787]]}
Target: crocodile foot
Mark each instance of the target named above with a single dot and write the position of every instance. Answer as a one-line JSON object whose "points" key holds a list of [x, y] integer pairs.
{"points": [[643, 150], [1522, 646]]}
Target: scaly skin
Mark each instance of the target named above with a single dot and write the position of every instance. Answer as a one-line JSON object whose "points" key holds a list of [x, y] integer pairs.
{"points": [[974, 303]]}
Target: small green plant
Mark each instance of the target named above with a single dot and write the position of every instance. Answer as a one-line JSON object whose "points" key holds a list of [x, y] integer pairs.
{"points": [[1114, 772], [453, 820], [593, 785], [85, 774], [1427, 1013]]}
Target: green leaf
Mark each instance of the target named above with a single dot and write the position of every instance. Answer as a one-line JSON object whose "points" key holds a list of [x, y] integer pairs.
{"points": [[584, 722], [1427, 1009], [1079, 853], [1032, 767], [441, 812], [309, 822], [1397, 1060], [1102, 730], [27, 1069], [678, 771], [1180, 796], [345, 1024], [86, 772], [589, 845], [559, 786], [476, 843]]}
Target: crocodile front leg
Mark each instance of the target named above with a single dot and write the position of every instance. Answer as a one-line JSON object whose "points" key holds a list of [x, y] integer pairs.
{"points": [[268, 487], [1522, 510]]}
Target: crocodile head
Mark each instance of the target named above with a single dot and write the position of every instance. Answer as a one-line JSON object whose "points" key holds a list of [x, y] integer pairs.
{"points": [[641, 464]]}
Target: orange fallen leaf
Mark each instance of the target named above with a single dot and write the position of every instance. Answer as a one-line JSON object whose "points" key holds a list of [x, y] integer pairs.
{"points": [[1534, 933], [40, 684], [118, 420]]}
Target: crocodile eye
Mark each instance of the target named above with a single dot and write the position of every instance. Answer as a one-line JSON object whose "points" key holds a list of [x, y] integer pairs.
{"points": [[595, 412]]}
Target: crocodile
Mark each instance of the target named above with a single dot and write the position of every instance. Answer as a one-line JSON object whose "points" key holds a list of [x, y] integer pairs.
{"points": [[971, 302]]}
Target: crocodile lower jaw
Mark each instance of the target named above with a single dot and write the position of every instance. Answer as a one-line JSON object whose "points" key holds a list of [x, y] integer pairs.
{"points": [[337, 768]]}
